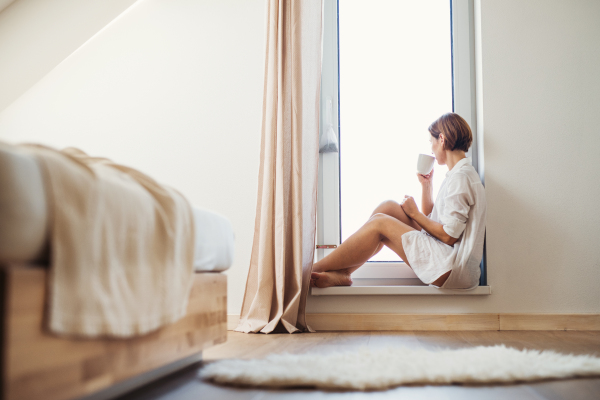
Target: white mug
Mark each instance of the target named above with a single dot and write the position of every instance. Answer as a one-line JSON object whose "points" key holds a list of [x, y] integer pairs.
{"points": [[425, 163]]}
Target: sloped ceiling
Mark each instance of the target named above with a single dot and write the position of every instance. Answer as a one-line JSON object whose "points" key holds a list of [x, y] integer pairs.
{"points": [[36, 35], [4, 4]]}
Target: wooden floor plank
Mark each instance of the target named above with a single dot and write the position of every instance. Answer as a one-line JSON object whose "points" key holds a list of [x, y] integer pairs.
{"points": [[186, 385], [569, 389]]}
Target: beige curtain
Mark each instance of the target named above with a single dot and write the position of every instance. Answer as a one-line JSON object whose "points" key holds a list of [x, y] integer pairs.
{"points": [[285, 225]]}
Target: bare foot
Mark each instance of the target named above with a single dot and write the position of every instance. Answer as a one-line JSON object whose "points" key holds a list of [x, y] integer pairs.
{"points": [[330, 278]]}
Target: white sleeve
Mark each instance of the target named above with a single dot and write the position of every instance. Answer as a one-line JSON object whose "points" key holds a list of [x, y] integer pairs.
{"points": [[459, 200]]}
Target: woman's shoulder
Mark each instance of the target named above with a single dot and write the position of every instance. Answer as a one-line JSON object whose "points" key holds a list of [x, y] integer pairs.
{"points": [[465, 180], [466, 174]]}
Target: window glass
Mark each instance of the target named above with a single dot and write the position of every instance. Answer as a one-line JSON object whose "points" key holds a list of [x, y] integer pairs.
{"points": [[395, 79]]}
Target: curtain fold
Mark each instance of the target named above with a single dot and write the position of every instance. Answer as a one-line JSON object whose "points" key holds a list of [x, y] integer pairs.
{"points": [[285, 224]]}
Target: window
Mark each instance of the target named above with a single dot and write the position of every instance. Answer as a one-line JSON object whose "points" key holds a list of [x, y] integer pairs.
{"points": [[389, 69]]}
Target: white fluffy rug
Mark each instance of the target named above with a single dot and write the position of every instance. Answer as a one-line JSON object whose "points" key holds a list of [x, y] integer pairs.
{"points": [[380, 369]]}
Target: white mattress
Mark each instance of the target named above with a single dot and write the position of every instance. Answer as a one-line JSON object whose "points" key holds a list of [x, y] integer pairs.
{"points": [[24, 218], [214, 241]]}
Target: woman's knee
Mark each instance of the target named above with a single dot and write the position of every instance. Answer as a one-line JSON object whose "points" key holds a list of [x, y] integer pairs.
{"points": [[393, 209], [387, 225], [386, 207], [378, 221], [376, 217]]}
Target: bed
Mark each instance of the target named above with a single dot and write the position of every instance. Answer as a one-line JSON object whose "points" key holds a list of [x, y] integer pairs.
{"points": [[38, 364]]}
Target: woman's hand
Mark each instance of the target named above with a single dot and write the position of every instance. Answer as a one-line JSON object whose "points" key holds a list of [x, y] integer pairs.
{"points": [[409, 206], [425, 179]]}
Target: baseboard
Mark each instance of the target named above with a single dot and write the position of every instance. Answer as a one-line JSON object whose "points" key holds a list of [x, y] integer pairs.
{"points": [[232, 321], [446, 322], [550, 322]]}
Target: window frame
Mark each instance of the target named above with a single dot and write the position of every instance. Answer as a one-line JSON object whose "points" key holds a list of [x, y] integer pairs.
{"points": [[463, 101]]}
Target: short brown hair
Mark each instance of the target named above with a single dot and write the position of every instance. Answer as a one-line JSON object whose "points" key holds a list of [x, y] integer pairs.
{"points": [[455, 129]]}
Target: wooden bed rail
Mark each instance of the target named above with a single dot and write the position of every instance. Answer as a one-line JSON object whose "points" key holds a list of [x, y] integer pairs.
{"points": [[38, 365]]}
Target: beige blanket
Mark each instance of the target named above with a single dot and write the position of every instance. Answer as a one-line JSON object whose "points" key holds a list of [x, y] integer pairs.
{"points": [[121, 247]]}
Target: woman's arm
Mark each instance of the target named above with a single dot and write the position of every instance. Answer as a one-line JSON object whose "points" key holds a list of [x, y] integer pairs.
{"points": [[427, 198], [426, 182], [433, 228]]}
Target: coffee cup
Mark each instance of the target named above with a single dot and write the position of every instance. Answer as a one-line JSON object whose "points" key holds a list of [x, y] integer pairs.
{"points": [[425, 163]]}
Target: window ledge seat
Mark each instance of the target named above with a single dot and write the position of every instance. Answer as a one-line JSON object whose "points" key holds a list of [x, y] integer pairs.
{"points": [[394, 287]]}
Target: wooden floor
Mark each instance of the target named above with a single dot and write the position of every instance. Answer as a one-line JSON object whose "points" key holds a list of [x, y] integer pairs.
{"points": [[185, 384]]}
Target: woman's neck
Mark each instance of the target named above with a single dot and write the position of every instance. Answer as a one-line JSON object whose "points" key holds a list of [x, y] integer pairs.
{"points": [[452, 157]]}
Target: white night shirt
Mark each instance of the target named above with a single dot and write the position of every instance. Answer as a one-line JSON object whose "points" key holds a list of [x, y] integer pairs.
{"points": [[461, 208]]}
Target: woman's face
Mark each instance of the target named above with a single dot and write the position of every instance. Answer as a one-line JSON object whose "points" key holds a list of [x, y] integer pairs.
{"points": [[436, 148]]}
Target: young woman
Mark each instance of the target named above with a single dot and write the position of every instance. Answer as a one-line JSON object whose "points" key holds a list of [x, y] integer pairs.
{"points": [[442, 243]]}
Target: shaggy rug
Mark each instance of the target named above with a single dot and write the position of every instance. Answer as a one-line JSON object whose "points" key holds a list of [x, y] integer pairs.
{"points": [[384, 368]]}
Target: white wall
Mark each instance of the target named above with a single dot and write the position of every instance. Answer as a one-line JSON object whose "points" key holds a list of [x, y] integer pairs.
{"points": [[539, 109], [36, 35], [175, 89]]}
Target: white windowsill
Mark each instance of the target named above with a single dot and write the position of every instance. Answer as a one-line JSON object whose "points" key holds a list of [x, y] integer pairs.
{"points": [[393, 287], [378, 269]]}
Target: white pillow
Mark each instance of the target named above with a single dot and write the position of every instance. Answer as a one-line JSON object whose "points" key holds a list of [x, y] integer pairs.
{"points": [[23, 207], [214, 241]]}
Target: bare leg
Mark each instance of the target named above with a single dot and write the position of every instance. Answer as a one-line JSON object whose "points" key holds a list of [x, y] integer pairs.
{"points": [[358, 248], [393, 209], [340, 277]]}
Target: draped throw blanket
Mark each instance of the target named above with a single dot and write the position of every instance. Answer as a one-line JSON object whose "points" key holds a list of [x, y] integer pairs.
{"points": [[285, 225], [121, 247]]}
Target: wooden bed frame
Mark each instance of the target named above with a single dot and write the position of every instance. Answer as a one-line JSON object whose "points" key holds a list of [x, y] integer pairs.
{"points": [[38, 365]]}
